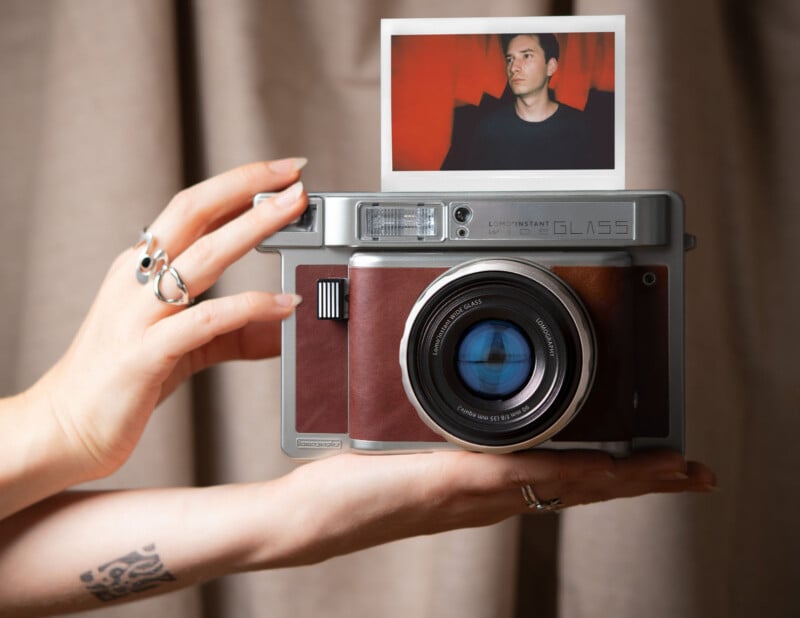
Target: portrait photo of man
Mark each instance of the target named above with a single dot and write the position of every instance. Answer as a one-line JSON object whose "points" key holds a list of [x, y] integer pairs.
{"points": [[532, 101], [531, 130]]}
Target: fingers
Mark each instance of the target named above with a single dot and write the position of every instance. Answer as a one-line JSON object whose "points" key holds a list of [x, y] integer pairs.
{"points": [[202, 207], [207, 227], [573, 477], [554, 466], [205, 260], [650, 465], [254, 341], [696, 478], [488, 473], [549, 466], [190, 330], [638, 475]]}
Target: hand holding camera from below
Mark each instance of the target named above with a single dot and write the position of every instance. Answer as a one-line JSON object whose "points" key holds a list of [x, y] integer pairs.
{"points": [[145, 334]]}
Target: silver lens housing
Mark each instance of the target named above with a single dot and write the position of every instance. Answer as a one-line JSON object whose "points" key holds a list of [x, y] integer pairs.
{"points": [[558, 290]]}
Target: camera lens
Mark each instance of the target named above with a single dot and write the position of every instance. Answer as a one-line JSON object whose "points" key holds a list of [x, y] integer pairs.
{"points": [[462, 214], [497, 355], [494, 359]]}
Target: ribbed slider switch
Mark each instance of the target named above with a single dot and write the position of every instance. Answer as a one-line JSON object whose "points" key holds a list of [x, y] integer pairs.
{"points": [[332, 297]]}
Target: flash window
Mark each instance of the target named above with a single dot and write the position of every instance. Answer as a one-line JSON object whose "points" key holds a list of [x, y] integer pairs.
{"points": [[386, 221]]}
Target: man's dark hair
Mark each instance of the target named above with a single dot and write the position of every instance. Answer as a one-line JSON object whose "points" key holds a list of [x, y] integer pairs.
{"points": [[548, 41]]}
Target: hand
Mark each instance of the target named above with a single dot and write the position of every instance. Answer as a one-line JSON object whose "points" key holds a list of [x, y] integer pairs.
{"points": [[350, 502], [326, 508], [133, 350]]}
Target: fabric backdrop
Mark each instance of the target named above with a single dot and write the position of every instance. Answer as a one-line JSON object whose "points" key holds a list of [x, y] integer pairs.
{"points": [[108, 108]]}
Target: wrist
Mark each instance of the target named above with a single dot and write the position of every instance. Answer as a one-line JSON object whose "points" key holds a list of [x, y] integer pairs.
{"points": [[70, 448], [275, 535], [40, 458]]}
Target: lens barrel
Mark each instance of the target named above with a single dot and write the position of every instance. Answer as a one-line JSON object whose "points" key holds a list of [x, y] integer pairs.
{"points": [[497, 354]]}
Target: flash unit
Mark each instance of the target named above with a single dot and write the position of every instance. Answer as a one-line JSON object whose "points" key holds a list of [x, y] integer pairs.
{"points": [[399, 221]]}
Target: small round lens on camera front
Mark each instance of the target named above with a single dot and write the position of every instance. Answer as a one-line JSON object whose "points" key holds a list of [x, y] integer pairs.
{"points": [[462, 214], [494, 359]]}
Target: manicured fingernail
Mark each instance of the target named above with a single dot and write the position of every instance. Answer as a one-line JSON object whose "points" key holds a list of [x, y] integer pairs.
{"points": [[288, 300], [289, 195], [287, 166]]}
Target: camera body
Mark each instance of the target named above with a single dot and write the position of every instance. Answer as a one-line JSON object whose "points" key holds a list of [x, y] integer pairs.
{"points": [[488, 321]]}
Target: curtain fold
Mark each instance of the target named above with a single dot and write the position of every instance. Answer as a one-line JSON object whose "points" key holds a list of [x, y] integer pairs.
{"points": [[108, 109]]}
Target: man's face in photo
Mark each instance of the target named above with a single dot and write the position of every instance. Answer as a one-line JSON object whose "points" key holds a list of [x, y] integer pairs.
{"points": [[526, 68]]}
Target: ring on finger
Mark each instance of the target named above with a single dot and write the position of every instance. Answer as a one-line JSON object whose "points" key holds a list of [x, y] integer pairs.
{"points": [[153, 261], [182, 298], [149, 258], [542, 506]]}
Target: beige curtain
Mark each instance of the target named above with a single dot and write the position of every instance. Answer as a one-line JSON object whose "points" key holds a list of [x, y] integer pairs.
{"points": [[108, 108]]}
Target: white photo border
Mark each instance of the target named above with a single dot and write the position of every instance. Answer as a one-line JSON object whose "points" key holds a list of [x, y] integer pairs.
{"points": [[503, 180]]}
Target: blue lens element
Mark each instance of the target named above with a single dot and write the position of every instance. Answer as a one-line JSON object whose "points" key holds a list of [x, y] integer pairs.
{"points": [[494, 359]]}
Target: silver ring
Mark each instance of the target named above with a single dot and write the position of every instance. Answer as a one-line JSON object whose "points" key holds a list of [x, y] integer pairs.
{"points": [[546, 506], [183, 299], [152, 260], [149, 259]]}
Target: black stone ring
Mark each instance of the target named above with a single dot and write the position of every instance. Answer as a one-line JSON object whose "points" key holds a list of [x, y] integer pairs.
{"points": [[151, 260]]}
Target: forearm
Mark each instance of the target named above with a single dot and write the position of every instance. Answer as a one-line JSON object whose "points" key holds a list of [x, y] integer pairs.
{"points": [[82, 550]]}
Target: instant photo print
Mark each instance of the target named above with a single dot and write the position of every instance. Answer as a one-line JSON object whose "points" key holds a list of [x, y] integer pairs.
{"points": [[449, 89]]}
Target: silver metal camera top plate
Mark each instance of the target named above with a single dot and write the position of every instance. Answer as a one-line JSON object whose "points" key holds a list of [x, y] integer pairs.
{"points": [[523, 221], [575, 220]]}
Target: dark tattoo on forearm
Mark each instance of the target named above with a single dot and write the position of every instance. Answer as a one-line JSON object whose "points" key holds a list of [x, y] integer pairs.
{"points": [[129, 574]]}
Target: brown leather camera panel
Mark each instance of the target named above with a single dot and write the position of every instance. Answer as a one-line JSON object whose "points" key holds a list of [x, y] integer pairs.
{"points": [[321, 358], [379, 408], [632, 348]]}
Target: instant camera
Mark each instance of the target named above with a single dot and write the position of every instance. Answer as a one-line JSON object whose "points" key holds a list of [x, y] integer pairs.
{"points": [[488, 321]]}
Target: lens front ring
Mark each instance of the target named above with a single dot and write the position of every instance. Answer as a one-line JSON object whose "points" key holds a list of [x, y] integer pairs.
{"points": [[544, 283]]}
